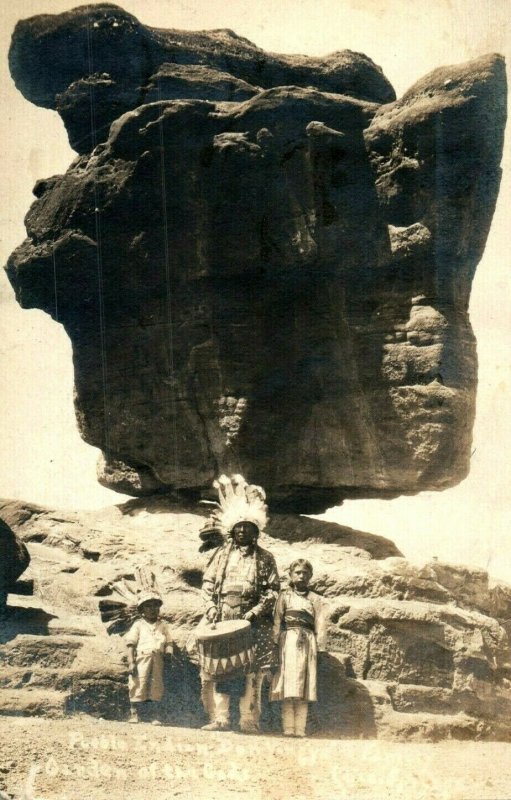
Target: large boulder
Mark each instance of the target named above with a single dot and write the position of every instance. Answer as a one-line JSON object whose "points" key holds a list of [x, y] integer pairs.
{"points": [[14, 560], [266, 268], [100, 52], [420, 653]]}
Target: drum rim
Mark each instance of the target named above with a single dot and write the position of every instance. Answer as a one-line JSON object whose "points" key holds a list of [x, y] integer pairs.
{"points": [[205, 632]]}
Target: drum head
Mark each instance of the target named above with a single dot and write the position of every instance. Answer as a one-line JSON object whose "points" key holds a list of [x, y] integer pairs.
{"points": [[226, 628]]}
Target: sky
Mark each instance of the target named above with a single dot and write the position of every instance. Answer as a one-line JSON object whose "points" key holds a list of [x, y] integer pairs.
{"points": [[43, 459]]}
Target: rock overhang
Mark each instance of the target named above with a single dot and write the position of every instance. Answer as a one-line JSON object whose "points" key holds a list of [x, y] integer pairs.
{"points": [[284, 280]]}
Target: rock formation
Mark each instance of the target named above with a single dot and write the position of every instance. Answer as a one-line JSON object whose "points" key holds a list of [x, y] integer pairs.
{"points": [[263, 262], [416, 653], [14, 560]]}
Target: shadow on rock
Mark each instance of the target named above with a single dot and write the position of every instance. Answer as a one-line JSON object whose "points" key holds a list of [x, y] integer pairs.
{"points": [[106, 696], [293, 528], [32, 621], [345, 707]]}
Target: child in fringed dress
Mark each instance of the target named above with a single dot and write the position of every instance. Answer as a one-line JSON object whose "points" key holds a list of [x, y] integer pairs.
{"points": [[299, 632]]}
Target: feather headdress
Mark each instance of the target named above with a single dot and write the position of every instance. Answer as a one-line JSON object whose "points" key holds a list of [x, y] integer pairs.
{"points": [[120, 609], [239, 501]]}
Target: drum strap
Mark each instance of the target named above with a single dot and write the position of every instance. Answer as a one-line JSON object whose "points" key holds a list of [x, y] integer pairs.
{"points": [[220, 577]]}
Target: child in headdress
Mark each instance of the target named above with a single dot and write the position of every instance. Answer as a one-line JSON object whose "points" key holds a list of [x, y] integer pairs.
{"points": [[148, 640], [299, 632]]}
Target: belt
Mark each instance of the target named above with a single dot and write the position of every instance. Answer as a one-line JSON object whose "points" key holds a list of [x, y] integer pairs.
{"points": [[307, 625], [299, 619], [235, 599]]}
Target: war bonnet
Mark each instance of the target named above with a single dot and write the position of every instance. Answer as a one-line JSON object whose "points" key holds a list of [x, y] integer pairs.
{"points": [[239, 501]]}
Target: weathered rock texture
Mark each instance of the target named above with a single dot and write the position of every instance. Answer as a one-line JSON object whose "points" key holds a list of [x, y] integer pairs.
{"points": [[14, 560], [264, 263], [412, 653]]}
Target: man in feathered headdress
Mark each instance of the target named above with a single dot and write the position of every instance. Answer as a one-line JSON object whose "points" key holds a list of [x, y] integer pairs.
{"points": [[240, 582]]}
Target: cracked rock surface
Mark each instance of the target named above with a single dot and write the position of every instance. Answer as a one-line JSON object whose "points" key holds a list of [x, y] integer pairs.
{"points": [[263, 262], [414, 653], [14, 560]]}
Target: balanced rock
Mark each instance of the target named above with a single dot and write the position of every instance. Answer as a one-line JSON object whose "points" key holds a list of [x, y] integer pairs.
{"points": [[263, 262], [61, 61]]}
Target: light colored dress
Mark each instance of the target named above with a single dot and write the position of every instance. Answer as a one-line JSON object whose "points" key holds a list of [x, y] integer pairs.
{"points": [[151, 640], [299, 630]]}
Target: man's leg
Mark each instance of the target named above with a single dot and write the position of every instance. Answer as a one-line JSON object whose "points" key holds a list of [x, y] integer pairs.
{"points": [[206, 695], [216, 705], [250, 703]]}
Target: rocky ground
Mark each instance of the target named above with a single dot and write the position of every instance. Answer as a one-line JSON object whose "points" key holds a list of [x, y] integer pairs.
{"points": [[414, 654], [82, 758]]}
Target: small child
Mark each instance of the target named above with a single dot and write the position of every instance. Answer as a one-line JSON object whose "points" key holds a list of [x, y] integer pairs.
{"points": [[148, 640], [299, 632]]}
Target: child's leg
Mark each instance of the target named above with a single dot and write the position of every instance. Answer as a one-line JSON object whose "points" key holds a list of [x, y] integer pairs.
{"points": [[156, 686], [288, 717], [136, 696], [156, 712], [301, 710], [139, 684]]}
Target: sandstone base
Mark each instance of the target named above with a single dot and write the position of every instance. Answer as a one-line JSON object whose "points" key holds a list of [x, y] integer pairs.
{"points": [[414, 654]]}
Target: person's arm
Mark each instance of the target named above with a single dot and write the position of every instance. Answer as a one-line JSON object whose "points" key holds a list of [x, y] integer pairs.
{"points": [[269, 583], [132, 662], [278, 616], [131, 639], [170, 645], [320, 623]]}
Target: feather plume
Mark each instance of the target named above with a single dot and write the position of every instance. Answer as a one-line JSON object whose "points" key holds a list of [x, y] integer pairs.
{"points": [[146, 580], [239, 502], [120, 609]]}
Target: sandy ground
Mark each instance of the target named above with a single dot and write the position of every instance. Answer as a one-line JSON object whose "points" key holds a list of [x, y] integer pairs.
{"points": [[81, 758]]}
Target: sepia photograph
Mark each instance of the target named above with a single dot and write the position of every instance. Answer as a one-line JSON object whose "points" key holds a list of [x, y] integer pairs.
{"points": [[255, 408]]}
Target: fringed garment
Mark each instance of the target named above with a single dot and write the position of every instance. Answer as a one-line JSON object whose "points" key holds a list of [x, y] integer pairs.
{"points": [[241, 579]]}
